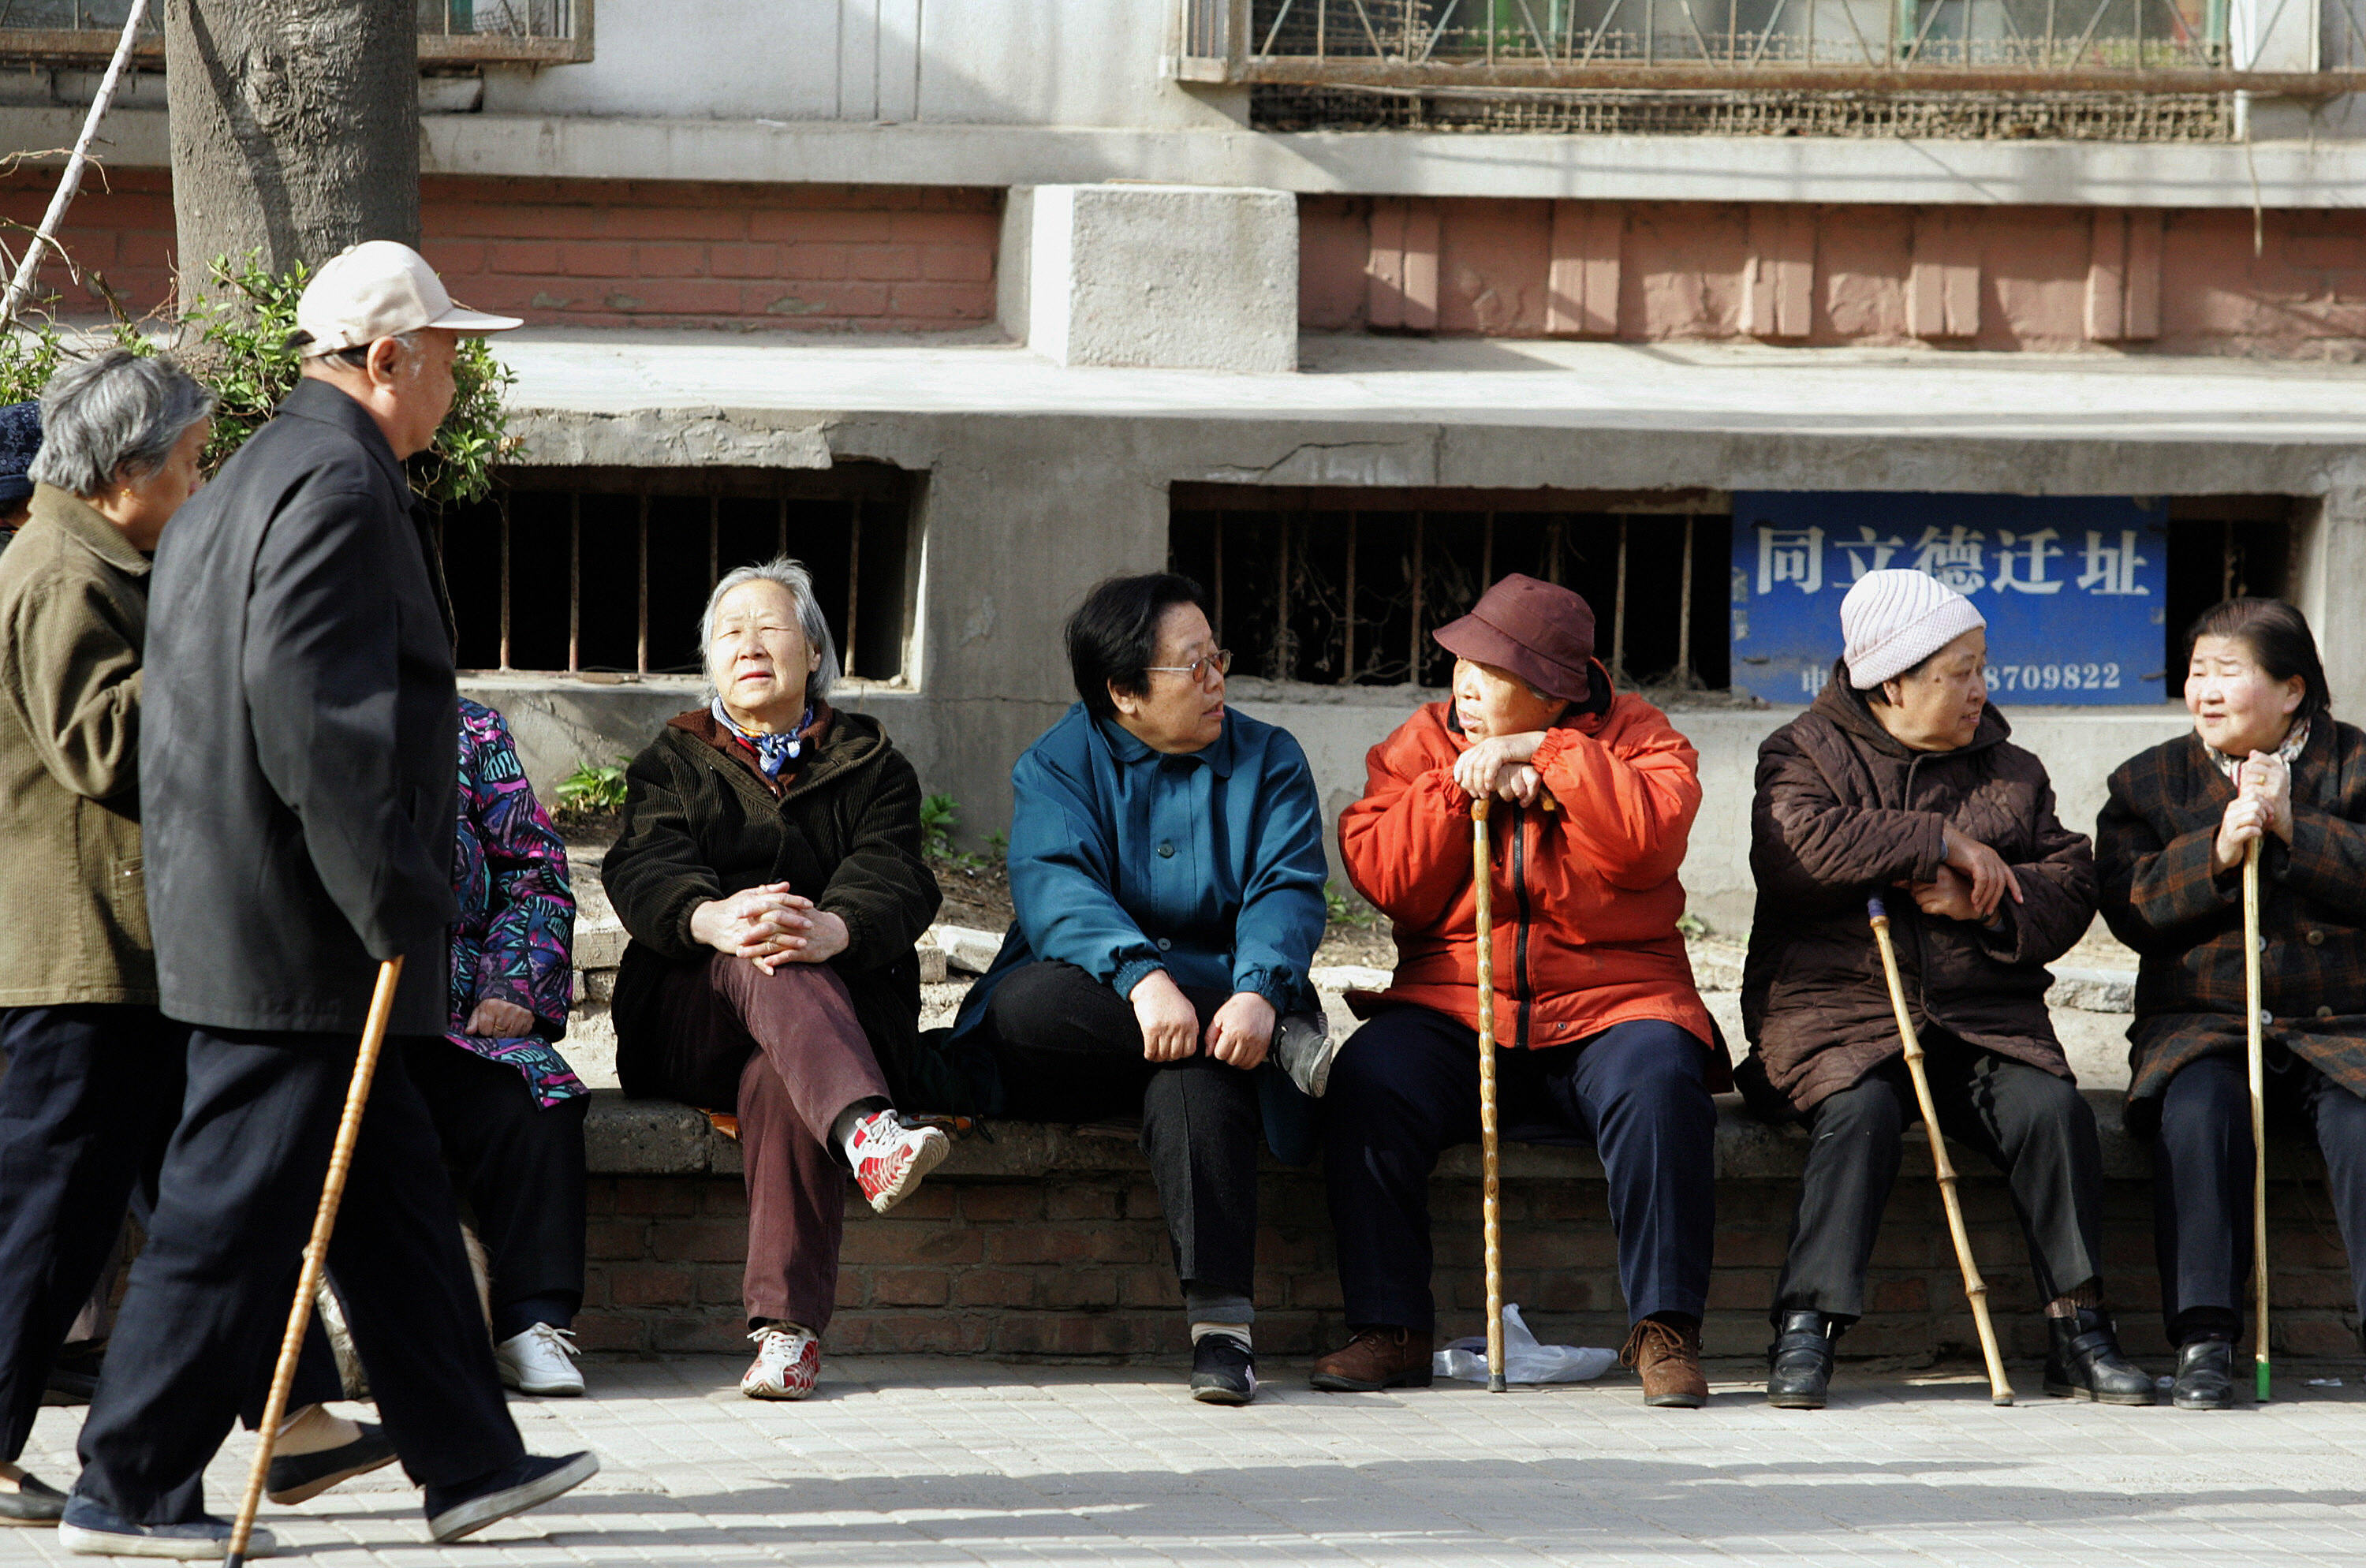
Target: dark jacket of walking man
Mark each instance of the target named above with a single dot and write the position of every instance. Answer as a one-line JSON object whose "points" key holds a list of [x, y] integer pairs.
{"points": [[298, 794]]}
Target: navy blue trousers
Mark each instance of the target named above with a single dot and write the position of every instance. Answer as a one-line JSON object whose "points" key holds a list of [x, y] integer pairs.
{"points": [[209, 1292], [1405, 1088], [2202, 1182], [86, 1105]]}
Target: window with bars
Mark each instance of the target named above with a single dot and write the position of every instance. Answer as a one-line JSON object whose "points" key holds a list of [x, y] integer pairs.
{"points": [[1344, 587], [599, 571]]}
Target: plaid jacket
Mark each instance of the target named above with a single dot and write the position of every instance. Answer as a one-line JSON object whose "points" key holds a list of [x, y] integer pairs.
{"points": [[2152, 847]]}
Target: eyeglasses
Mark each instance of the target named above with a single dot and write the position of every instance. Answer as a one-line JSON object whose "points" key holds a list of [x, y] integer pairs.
{"points": [[1220, 661]]}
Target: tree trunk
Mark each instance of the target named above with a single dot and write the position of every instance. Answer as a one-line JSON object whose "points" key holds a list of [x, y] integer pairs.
{"points": [[295, 129]]}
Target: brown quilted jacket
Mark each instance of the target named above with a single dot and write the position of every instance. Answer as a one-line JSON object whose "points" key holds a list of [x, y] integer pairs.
{"points": [[1843, 811]]}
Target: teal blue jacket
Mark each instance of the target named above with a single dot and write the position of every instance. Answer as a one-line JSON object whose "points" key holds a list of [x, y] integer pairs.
{"points": [[1124, 860]]}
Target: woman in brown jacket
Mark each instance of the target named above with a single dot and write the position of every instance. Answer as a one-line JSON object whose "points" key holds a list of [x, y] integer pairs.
{"points": [[769, 872], [2266, 765], [1900, 777]]}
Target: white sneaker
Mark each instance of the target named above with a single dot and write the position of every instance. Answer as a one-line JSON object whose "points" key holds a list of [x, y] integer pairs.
{"points": [[787, 1361], [890, 1159], [540, 1361]]}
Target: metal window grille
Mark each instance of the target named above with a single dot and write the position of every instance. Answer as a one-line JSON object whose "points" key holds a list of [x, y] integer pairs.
{"points": [[1545, 46], [1344, 587], [604, 571]]}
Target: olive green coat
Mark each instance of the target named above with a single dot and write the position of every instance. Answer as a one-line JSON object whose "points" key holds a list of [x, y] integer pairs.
{"points": [[73, 617]]}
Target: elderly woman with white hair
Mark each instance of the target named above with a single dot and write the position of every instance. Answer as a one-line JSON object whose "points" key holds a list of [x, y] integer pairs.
{"points": [[770, 875]]}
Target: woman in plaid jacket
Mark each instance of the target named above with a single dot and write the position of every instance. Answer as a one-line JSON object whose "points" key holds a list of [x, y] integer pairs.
{"points": [[2266, 763]]}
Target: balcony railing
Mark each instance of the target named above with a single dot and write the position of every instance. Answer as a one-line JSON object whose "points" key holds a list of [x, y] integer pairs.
{"points": [[1866, 46], [451, 32]]}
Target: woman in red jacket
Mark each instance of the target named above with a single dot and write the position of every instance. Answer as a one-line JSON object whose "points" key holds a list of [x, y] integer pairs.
{"points": [[1605, 1040]]}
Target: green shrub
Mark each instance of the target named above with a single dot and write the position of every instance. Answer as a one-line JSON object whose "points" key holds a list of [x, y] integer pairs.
{"points": [[241, 350], [593, 788]]}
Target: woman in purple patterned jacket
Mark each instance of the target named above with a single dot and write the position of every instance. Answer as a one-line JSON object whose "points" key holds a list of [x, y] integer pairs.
{"points": [[508, 1107]]}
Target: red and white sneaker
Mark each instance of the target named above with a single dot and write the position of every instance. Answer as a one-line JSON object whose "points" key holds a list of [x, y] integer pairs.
{"points": [[787, 1361], [890, 1159]]}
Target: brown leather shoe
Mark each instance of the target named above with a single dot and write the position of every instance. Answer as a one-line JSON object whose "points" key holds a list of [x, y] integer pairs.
{"points": [[1668, 1360], [1374, 1360]]}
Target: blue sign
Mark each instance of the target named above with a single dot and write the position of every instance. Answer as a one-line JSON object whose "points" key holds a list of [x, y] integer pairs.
{"points": [[2074, 588]]}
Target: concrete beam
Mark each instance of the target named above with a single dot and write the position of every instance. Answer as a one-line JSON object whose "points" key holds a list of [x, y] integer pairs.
{"points": [[2323, 171]]}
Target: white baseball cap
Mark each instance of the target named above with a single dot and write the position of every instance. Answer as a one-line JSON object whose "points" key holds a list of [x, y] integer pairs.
{"points": [[381, 288]]}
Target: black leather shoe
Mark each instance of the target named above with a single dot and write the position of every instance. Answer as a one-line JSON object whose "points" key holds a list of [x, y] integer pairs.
{"points": [[2205, 1376], [2086, 1363], [1799, 1362], [33, 1504]]}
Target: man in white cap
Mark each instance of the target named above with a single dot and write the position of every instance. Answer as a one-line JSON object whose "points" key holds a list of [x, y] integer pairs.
{"points": [[1898, 782], [298, 800]]}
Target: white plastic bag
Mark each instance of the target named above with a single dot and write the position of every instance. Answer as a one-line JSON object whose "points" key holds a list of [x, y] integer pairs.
{"points": [[1524, 1360]]}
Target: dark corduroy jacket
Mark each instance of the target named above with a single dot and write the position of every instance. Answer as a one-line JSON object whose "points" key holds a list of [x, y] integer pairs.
{"points": [[2185, 921], [844, 828], [1844, 810]]}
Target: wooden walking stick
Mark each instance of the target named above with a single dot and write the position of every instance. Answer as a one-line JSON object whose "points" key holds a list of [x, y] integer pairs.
{"points": [[1481, 861], [316, 1255], [2255, 1053], [1976, 1290]]}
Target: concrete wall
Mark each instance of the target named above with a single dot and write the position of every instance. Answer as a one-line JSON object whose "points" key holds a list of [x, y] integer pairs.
{"points": [[1079, 62]]}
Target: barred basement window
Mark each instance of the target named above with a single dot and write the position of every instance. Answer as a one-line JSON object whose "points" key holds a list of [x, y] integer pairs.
{"points": [[604, 571], [1345, 586]]}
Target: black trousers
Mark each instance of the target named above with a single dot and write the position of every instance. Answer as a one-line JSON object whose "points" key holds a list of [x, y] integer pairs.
{"points": [[87, 1103], [520, 1164], [2033, 1126], [2202, 1181], [209, 1293], [1406, 1087], [1070, 1051], [88, 1099]]}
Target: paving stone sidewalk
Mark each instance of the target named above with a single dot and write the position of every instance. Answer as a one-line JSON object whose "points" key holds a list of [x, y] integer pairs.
{"points": [[926, 1461]]}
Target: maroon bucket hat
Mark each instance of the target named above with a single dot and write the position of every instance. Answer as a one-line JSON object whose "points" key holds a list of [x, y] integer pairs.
{"points": [[1539, 631]]}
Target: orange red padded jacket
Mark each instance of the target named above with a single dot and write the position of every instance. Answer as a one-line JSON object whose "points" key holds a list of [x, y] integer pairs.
{"points": [[1585, 897]]}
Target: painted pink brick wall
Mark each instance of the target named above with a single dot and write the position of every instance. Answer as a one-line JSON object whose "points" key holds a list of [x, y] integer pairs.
{"points": [[1683, 268], [616, 253]]}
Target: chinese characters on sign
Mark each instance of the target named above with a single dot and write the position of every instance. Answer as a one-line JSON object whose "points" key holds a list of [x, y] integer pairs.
{"points": [[2073, 587]]}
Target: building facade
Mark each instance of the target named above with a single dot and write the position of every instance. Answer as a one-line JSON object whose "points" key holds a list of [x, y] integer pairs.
{"points": [[1347, 306]]}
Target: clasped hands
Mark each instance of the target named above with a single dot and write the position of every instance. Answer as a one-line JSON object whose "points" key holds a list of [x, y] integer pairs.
{"points": [[1500, 766], [1972, 882], [2262, 804], [769, 926], [1239, 1035]]}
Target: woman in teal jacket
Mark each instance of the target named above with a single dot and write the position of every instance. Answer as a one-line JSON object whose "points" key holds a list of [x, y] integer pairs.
{"points": [[1167, 869]]}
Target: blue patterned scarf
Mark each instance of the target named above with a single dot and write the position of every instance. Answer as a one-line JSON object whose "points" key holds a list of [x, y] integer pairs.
{"points": [[773, 752]]}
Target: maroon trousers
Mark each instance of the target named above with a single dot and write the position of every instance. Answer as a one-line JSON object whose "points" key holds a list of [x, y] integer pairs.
{"points": [[790, 1042]]}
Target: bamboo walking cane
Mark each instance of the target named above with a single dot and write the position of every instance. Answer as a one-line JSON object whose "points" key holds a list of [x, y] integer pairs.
{"points": [[2256, 1054], [316, 1254], [1976, 1290], [1483, 869]]}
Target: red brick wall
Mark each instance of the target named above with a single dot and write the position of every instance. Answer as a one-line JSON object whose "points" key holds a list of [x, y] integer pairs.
{"points": [[1080, 1267], [616, 253], [2037, 279]]}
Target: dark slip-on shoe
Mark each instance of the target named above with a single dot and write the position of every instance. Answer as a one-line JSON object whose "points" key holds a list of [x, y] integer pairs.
{"points": [[297, 1478]]}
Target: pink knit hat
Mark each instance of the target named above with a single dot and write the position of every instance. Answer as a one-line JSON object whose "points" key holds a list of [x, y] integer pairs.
{"points": [[1891, 621]]}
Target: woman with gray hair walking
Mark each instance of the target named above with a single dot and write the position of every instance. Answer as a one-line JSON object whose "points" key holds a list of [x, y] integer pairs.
{"points": [[95, 1068], [769, 874]]}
